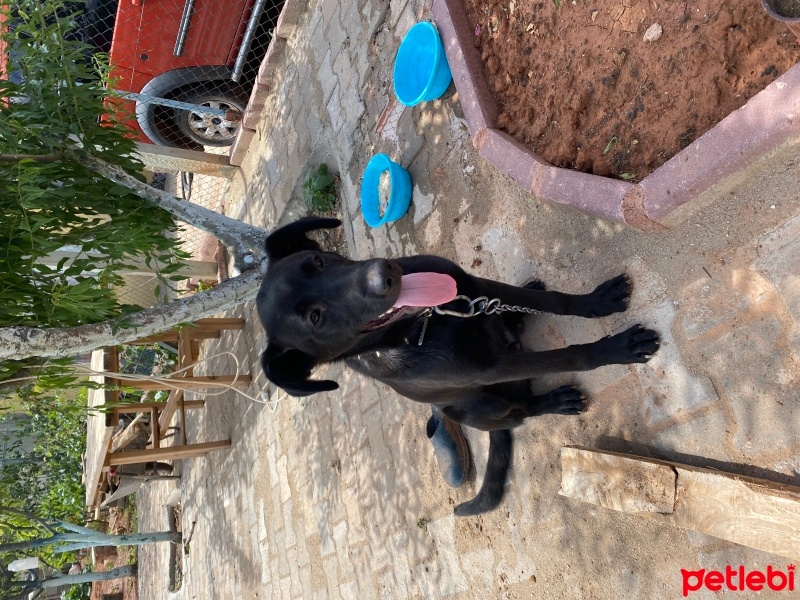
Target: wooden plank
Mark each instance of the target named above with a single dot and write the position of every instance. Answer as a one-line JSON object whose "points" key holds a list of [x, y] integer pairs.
{"points": [[618, 483], [185, 358], [217, 323], [172, 337], [173, 402], [160, 159], [748, 511], [98, 432], [202, 329], [167, 336], [135, 407], [111, 365], [206, 381], [757, 514], [170, 453]]}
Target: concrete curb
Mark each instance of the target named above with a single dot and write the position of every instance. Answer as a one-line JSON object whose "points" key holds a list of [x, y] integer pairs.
{"points": [[240, 146], [768, 122], [267, 79]]}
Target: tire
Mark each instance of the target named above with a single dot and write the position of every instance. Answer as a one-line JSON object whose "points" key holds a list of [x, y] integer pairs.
{"points": [[211, 130]]}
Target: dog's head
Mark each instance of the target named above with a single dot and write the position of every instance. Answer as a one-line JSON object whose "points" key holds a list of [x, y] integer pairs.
{"points": [[316, 306]]}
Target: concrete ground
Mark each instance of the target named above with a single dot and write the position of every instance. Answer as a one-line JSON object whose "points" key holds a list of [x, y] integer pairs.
{"points": [[338, 495]]}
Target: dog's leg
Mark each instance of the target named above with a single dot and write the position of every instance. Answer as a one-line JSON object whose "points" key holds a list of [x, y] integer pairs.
{"points": [[565, 400], [491, 492], [497, 410], [635, 345], [507, 405], [608, 298]]}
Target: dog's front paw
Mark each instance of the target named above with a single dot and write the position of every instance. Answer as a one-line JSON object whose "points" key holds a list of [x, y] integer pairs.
{"points": [[565, 400], [635, 345], [534, 284], [609, 297]]}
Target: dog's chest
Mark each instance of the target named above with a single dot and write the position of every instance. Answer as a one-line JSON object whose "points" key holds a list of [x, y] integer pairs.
{"points": [[384, 362]]}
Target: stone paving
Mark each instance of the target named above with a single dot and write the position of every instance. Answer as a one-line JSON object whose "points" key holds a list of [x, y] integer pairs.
{"points": [[337, 495]]}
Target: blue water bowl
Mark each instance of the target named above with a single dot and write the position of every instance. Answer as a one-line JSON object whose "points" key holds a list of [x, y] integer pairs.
{"points": [[399, 191], [421, 72]]}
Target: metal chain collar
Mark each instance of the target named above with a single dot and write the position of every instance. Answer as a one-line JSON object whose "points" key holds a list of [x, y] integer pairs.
{"points": [[478, 306], [482, 305]]}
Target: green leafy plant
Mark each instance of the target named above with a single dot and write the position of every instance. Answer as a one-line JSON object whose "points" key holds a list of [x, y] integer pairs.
{"points": [[319, 190], [610, 145], [67, 234]]}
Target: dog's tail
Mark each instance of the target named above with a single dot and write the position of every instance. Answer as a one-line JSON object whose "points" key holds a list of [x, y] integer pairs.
{"points": [[495, 479]]}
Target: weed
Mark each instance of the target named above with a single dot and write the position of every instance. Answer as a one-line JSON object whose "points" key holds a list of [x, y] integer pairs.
{"points": [[319, 190], [627, 176], [422, 523], [610, 145]]}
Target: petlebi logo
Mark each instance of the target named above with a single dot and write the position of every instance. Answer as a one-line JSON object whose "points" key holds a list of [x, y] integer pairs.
{"points": [[739, 579]]}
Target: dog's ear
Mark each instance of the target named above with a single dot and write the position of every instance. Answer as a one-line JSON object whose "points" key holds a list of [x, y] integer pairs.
{"points": [[290, 370], [292, 238]]}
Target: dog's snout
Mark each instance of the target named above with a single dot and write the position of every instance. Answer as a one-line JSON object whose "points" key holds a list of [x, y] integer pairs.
{"points": [[382, 277]]}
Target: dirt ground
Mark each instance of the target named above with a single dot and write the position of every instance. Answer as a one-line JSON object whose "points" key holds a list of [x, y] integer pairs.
{"points": [[120, 520], [580, 84]]}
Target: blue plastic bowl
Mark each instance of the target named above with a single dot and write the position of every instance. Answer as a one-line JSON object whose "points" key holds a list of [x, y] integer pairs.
{"points": [[399, 194], [421, 72]]}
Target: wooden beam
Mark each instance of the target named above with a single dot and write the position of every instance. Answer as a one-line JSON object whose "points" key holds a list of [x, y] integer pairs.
{"points": [[170, 453], [207, 381], [165, 159], [135, 407], [618, 483], [202, 329], [217, 323], [752, 512]]}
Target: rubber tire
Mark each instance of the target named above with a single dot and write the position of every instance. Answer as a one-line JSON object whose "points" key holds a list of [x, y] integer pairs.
{"points": [[206, 130]]}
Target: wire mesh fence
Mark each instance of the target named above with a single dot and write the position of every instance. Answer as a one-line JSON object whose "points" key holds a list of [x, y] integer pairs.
{"points": [[185, 68], [143, 288], [182, 71]]}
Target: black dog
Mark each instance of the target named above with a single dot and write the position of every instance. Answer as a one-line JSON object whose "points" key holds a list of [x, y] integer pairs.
{"points": [[319, 307]]}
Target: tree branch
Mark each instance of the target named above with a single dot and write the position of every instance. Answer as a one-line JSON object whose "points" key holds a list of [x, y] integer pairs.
{"points": [[42, 158], [21, 513], [26, 342], [244, 242]]}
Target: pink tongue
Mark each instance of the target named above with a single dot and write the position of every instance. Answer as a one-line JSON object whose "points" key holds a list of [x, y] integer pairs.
{"points": [[426, 289]]}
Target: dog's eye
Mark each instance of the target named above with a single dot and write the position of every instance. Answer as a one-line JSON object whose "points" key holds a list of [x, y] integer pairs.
{"points": [[318, 262], [313, 316]]}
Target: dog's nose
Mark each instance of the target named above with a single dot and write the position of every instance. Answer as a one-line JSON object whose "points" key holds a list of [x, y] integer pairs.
{"points": [[382, 277]]}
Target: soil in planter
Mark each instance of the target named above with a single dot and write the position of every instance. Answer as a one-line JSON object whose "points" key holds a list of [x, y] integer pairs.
{"points": [[577, 83]]}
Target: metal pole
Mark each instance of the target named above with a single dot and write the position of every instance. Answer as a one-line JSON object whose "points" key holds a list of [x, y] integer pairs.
{"points": [[247, 40], [197, 108], [183, 28]]}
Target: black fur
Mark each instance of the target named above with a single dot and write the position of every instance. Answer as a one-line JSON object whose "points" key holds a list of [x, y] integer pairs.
{"points": [[314, 306]]}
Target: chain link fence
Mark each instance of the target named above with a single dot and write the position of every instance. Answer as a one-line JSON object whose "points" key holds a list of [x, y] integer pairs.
{"points": [[185, 68], [143, 288], [183, 73]]}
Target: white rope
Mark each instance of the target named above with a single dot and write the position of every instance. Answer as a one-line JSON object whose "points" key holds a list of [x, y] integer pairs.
{"points": [[262, 398]]}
